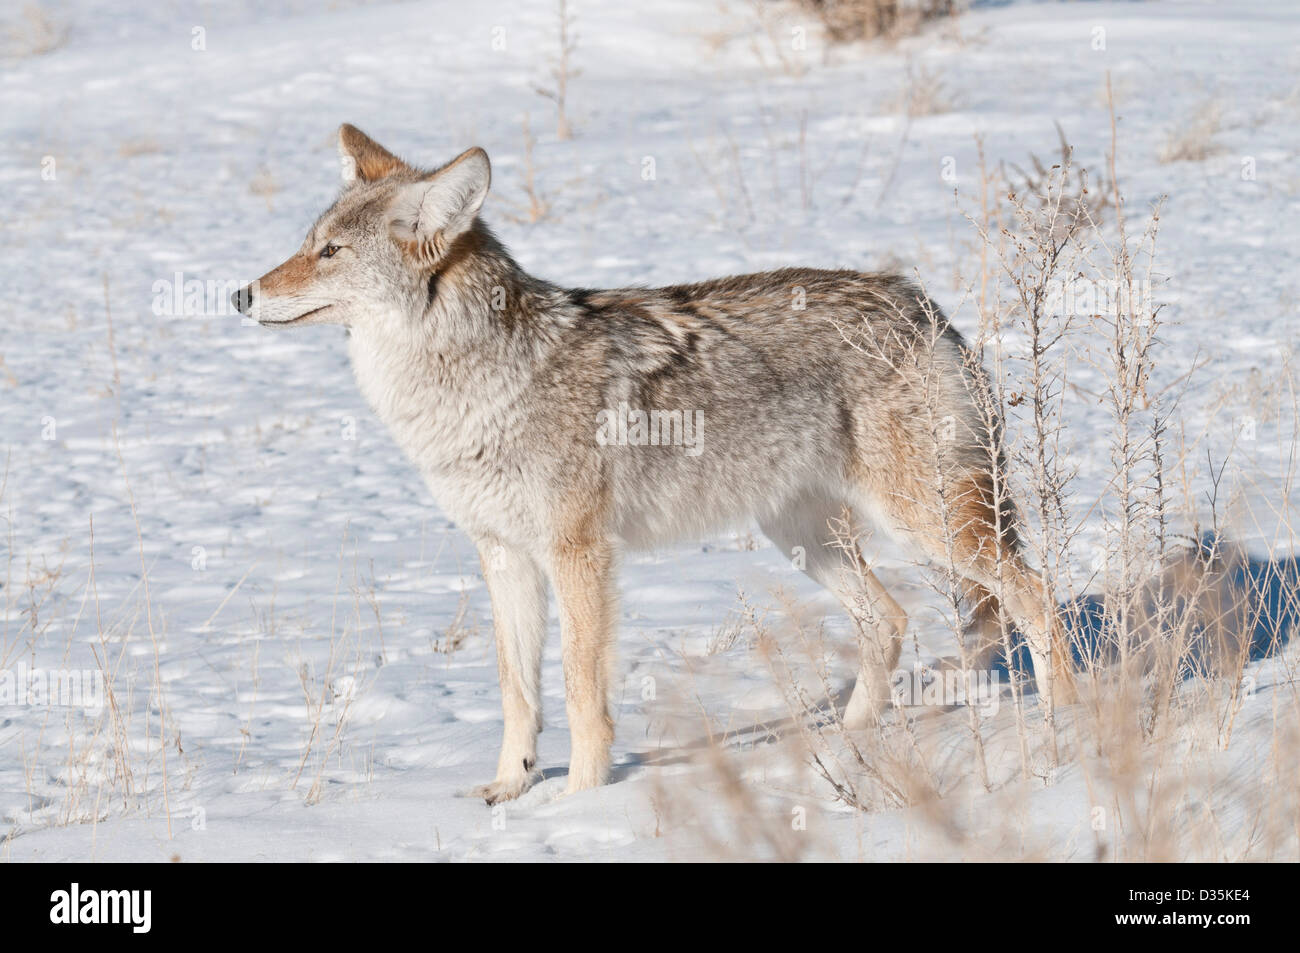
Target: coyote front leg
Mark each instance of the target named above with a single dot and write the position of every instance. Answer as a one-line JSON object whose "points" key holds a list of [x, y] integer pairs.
{"points": [[581, 573], [517, 587]]}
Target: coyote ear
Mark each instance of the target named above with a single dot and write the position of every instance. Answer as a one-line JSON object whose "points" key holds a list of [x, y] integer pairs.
{"points": [[430, 213], [365, 160]]}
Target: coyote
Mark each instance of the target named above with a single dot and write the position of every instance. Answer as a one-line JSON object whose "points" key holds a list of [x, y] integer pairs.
{"points": [[811, 396]]}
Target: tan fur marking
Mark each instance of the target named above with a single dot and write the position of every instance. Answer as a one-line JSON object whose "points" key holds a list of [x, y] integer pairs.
{"points": [[290, 277], [582, 572], [372, 160]]}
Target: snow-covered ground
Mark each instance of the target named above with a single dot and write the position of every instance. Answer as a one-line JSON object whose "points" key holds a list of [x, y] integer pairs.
{"points": [[262, 550]]}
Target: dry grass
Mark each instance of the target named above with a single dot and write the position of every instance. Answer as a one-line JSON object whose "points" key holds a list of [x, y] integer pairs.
{"points": [[848, 21], [923, 93], [1166, 615], [741, 627], [138, 146], [1195, 139], [458, 631], [562, 71], [128, 758], [535, 206], [264, 185], [35, 32], [780, 41], [1084, 194]]}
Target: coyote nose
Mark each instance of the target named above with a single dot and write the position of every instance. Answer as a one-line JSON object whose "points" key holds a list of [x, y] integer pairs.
{"points": [[243, 299]]}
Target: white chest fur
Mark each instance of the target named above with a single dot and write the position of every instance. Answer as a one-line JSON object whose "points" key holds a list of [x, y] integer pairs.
{"points": [[459, 422]]}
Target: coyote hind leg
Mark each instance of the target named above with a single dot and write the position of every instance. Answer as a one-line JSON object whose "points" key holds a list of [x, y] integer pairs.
{"points": [[979, 543], [837, 564], [1028, 604]]}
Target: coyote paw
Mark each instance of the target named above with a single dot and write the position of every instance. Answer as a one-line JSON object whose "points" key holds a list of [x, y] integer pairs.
{"points": [[499, 790]]}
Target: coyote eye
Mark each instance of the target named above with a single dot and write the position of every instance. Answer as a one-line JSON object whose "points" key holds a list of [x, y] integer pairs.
{"points": [[329, 250]]}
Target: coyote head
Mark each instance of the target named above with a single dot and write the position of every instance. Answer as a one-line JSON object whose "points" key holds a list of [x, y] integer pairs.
{"points": [[380, 243]]}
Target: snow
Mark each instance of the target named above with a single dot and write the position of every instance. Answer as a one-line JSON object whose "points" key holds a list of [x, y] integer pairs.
{"points": [[262, 549]]}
